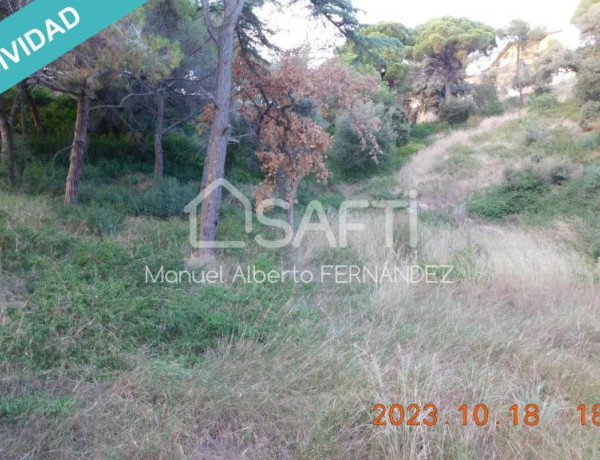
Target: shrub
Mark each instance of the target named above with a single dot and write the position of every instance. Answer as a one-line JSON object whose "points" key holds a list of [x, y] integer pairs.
{"points": [[543, 102], [560, 173], [183, 155], [554, 171], [590, 111], [421, 131], [166, 198], [162, 198], [401, 127], [456, 110], [536, 132], [588, 81], [592, 141], [485, 96], [39, 178], [522, 191], [348, 151]]}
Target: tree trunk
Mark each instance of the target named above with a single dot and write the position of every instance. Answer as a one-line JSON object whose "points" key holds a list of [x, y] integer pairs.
{"points": [[448, 90], [158, 134], [8, 145], [80, 143], [12, 118], [291, 197], [519, 75], [291, 215], [205, 170], [521, 98], [22, 101], [214, 166], [35, 113], [24, 126]]}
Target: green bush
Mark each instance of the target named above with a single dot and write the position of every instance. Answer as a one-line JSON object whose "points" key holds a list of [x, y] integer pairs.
{"points": [[163, 198], [183, 156], [401, 127], [592, 142], [41, 178], [166, 198], [353, 159], [522, 191], [560, 173], [554, 171], [486, 97], [420, 132], [536, 132], [590, 111], [456, 110], [543, 102], [588, 81]]}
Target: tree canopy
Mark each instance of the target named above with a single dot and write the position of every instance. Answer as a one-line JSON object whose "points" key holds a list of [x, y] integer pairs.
{"points": [[520, 34], [447, 43], [385, 47]]}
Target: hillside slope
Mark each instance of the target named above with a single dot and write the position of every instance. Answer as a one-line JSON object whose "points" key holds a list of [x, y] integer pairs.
{"points": [[97, 364]]}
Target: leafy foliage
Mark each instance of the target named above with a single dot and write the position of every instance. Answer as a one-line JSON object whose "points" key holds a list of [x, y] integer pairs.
{"points": [[385, 50], [522, 191], [285, 103], [446, 44], [352, 154], [456, 110], [543, 102], [485, 96]]}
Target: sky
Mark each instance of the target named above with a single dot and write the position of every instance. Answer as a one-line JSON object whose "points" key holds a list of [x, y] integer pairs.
{"points": [[554, 15]]}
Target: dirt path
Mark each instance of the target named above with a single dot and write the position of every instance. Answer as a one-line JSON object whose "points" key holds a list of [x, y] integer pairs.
{"points": [[440, 191]]}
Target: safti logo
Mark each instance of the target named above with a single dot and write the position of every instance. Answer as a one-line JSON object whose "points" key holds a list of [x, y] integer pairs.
{"points": [[314, 220], [193, 209]]}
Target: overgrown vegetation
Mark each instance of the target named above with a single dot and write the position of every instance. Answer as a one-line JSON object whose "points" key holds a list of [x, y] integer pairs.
{"points": [[101, 356]]}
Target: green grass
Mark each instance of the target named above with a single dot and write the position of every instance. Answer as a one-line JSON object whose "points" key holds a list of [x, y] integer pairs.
{"points": [[535, 135], [525, 194], [525, 198], [421, 132], [521, 193], [97, 364], [461, 163], [86, 301], [40, 404], [382, 188], [552, 109]]}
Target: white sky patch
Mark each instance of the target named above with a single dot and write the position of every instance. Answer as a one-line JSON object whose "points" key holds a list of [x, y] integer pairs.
{"points": [[294, 29]]}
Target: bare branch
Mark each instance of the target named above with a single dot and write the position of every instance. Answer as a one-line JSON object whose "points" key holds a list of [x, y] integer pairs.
{"points": [[180, 122], [120, 105], [210, 25], [235, 14], [201, 46]]}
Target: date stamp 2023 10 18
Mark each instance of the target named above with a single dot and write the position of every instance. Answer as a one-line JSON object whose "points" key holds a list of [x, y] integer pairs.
{"points": [[478, 415]]}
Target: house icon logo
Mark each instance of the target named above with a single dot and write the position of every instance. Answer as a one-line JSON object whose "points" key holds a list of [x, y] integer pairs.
{"points": [[193, 209]]}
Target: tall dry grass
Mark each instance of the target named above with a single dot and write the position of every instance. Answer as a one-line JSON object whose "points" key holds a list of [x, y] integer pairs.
{"points": [[519, 325]]}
